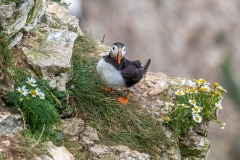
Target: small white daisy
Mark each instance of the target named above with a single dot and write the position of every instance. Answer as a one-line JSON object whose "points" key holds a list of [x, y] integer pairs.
{"points": [[222, 125], [206, 88], [41, 95], [166, 119], [192, 102], [23, 90], [197, 118], [196, 109], [35, 92], [31, 81], [180, 93], [221, 89], [218, 105], [185, 105], [190, 83]]}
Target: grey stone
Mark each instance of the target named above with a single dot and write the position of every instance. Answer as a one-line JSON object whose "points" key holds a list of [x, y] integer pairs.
{"points": [[58, 17], [35, 14], [10, 123], [49, 52], [59, 153], [18, 18], [72, 126], [16, 39]]}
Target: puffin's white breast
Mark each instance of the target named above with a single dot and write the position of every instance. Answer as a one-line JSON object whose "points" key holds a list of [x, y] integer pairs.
{"points": [[109, 75]]}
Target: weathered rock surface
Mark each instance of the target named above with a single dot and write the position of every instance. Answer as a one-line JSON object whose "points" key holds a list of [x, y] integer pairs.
{"points": [[57, 16], [59, 153], [15, 17], [49, 52], [35, 14], [10, 123]]}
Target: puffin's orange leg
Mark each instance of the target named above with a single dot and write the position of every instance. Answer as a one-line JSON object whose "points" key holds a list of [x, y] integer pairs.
{"points": [[108, 89], [124, 100]]}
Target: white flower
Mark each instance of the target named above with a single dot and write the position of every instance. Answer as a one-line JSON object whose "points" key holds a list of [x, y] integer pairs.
{"points": [[221, 89], [180, 93], [218, 105], [31, 81], [206, 88], [41, 95], [166, 119], [196, 109], [35, 92], [222, 125], [190, 83], [197, 118], [185, 105], [192, 102], [23, 90]]}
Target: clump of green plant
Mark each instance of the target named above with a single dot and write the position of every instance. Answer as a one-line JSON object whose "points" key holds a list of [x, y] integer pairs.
{"points": [[37, 102], [116, 124], [195, 104]]}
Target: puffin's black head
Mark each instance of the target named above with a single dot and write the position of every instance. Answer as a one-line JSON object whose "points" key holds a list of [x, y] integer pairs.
{"points": [[117, 51]]}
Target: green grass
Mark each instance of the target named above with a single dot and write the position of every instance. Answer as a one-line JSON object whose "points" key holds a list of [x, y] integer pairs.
{"points": [[116, 124]]}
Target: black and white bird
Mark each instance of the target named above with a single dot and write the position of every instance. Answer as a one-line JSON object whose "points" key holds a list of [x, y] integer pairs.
{"points": [[116, 71]]}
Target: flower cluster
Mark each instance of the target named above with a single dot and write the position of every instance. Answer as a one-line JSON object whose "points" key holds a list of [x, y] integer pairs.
{"points": [[31, 90], [197, 102]]}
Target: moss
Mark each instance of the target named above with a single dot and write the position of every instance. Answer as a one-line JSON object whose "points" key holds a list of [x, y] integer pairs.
{"points": [[35, 11]]}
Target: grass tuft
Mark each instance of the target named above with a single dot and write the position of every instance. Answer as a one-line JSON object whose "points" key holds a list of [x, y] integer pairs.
{"points": [[116, 124]]}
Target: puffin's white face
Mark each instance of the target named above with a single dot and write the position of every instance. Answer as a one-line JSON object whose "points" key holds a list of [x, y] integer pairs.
{"points": [[117, 52]]}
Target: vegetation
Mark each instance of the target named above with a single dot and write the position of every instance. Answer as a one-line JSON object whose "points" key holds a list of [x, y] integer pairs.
{"points": [[116, 124], [195, 104]]}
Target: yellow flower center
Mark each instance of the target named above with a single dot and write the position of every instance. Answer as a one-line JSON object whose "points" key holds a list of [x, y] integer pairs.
{"points": [[34, 92], [205, 89], [212, 91], [218, 93], [192, 90], [192, 101], [196, 109], [215, 84], [201, 89], [166, 119], [22, 91], [179, 93], [197, 118], [185, 91], [197, 81], [202, 80]]}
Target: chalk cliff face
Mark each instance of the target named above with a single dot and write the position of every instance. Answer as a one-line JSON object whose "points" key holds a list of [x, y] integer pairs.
{"points": [[45, 33]]}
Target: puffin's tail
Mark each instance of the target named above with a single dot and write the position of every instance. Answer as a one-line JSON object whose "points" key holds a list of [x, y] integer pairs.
{"points": [[145, 67]]}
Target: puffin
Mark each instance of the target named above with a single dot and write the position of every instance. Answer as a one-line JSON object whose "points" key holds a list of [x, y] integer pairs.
{"points": [[115, 71]]}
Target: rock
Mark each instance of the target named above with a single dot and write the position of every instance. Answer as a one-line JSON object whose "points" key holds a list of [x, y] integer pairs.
{"points": [[58, 17], [194, 146], [88, 137], [117, 152], [72, 126], [43, 157], [10, 123], [16, 39], [17, 16], [59, 153], [35, 14], [49, 52]]}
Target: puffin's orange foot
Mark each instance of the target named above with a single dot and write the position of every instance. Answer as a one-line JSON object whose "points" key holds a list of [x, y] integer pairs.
{"points": [[123, 100], [108, 89]]}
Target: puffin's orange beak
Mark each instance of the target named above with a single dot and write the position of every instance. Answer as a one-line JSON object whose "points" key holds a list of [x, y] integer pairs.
{"points": [[119, 56]]}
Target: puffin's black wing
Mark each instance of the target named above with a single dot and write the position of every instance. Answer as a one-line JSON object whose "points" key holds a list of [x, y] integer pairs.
{"points": [[133, 71]]}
